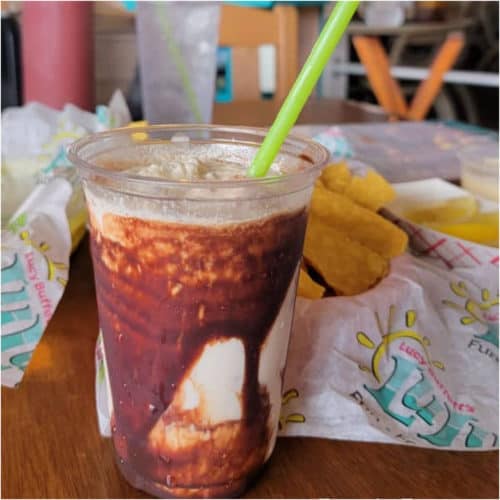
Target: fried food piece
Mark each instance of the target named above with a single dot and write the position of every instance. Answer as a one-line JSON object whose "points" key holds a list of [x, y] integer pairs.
{"points": [[308, 288], [346, 265], [362, 225], [336, 177], [371, 191]]}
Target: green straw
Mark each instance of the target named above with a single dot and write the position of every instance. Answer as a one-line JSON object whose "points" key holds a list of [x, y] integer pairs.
{"points": [[290, 110]]}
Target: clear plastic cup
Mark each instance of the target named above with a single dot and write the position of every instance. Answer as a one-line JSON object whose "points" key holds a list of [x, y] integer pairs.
{"points": [[479, 169], [196, 284]]}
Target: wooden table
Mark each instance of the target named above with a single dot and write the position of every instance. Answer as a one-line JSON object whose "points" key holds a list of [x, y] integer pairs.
{"points": [[51, 446], [430, 28], [51, 443], [326, 111]]}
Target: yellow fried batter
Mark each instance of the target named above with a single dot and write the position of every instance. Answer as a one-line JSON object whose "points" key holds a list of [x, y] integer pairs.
{"points": [[308, 288], [360, 224], [346, 265], [371, 191]]}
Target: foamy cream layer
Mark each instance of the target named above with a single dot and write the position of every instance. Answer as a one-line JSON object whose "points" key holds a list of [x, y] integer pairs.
{"points": [[185, 161], [190, 169], [197, 202]]}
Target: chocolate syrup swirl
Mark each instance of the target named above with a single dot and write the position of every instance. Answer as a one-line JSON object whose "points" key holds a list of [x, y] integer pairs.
{"points": [[167, 290]]}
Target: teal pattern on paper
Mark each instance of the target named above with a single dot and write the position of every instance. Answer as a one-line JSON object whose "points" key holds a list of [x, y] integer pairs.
{"points": [[491, 335], [16, 310], [386, 394], [450, 430], [389, 397], [336, 143]]}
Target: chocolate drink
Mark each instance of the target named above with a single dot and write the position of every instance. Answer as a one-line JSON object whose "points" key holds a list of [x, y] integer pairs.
{"points": [[196, 269], [166, 292]]}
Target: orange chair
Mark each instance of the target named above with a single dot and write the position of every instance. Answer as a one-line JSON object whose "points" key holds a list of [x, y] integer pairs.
{"points": [[387, 90]]}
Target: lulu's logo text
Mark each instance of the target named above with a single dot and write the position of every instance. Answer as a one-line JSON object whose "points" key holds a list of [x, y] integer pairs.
{"points": [[424, 405]]}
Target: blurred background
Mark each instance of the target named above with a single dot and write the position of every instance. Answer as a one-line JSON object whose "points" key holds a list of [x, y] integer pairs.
{"points": [[189, 61]]}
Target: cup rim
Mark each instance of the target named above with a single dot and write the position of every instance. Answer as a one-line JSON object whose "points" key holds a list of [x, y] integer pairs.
{"points": [[88, 169]]}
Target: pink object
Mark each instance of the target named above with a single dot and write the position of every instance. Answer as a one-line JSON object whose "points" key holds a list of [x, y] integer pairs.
{"points": [[57, 53]]}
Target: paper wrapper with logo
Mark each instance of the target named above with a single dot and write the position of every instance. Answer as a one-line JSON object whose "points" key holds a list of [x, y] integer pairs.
{"points": [[412, 361], [43, 219], [35, 262]]}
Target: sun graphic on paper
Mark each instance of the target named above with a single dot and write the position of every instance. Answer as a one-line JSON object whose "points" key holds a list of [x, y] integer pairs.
{"points": [[297, 418], [53, 267], [474, 309], [389, 336], [483, 311]]}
